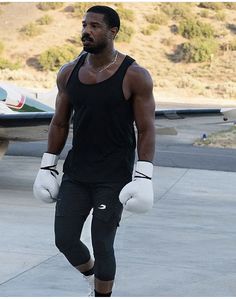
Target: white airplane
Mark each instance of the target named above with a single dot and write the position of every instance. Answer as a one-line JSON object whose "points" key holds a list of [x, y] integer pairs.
{"points": [[23, 117], [229, 114]]}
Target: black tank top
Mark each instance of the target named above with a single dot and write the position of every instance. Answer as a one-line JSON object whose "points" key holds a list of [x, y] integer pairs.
{"points": [[103, 147]]}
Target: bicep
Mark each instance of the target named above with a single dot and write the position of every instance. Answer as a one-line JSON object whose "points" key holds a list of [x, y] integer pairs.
{"points": [[144, 104], [63, 110]]}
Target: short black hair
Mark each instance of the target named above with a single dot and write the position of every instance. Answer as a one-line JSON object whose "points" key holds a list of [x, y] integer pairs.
{"points": [[111, 17]]}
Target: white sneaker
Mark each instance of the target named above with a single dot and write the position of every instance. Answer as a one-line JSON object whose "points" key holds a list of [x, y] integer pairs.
{"points": [[90, 281]]}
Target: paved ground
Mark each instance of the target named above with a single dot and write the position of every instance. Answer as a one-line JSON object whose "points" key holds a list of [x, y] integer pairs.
{"points": [[184, 247], [171, 151]]}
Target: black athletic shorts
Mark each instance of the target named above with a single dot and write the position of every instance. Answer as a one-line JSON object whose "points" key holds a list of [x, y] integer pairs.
{"points": [[78, 198]]}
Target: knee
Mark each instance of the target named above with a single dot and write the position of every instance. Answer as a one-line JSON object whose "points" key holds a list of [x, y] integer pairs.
{"points": [[102, 249], [63, 242]]}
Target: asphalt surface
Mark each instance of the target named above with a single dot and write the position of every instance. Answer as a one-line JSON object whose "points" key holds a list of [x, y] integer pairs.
{"points": [[185, 246], [171, 151]]}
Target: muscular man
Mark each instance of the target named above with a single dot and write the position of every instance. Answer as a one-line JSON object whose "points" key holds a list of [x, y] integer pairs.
{"points": [[106, 91]]}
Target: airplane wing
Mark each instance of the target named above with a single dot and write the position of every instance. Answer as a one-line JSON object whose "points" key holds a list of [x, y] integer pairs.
{"points": [[25, 126], [22, 118]]}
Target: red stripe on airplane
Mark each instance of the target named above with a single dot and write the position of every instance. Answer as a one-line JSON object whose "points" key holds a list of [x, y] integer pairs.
{"points": [[19, 105]]}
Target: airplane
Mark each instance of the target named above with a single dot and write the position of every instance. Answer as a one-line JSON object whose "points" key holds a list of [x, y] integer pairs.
{"points": [[229, 114], [23, 117]]}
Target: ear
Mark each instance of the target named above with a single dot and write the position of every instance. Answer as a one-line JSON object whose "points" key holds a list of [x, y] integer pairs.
{"points": [[114, 31]]}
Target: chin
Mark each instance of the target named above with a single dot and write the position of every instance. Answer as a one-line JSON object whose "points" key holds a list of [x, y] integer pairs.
{"points": [[91, 50]]}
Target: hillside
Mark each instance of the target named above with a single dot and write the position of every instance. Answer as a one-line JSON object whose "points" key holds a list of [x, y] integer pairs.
{"points": [[155, 43]]}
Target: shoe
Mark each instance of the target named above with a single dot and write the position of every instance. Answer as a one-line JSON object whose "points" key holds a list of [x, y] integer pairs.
{"points": [[90, 281]]}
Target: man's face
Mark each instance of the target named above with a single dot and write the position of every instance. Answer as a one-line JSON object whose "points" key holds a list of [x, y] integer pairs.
{"points": [[95, 33]]}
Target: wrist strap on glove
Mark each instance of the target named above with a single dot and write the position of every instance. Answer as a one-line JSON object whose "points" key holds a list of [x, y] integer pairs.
{"points": [[49, 162], [144, 170]]}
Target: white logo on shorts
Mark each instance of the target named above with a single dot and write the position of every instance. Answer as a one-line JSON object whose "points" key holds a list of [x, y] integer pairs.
{"points": [[102, 207]]}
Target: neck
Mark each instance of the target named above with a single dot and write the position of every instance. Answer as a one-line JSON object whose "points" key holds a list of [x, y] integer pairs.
{"points": [[104, 57]]}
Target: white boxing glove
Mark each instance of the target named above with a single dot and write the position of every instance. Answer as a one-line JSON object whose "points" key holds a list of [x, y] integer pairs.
{"points": [[46, 187], [137, 196]]}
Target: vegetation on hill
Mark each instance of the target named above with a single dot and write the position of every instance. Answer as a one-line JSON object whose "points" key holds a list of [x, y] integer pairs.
{"points": [[187, 47]]}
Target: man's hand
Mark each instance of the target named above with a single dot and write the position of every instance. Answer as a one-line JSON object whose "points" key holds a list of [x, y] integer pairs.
{"points": [[46, 187], [137, 196]]}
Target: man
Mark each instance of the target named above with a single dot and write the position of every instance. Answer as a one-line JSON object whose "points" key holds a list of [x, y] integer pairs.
{"points": [[106, 91]]}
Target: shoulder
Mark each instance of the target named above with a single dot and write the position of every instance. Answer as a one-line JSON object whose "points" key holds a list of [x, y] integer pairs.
{"points": [[138, 77], [65, 72]]}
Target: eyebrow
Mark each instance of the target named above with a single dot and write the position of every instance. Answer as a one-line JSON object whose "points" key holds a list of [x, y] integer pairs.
{"points": [[92, 23]]}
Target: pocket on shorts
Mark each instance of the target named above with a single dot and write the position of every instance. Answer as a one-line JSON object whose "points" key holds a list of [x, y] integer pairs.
{"points": [[106, 203]]}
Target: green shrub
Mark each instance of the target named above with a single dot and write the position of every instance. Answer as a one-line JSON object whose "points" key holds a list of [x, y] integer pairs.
{"points": [[1, 47], [31, 30], [55, 57], [80, 9], [232, 45], [45, 20], [177, 11], [125, 34], [126, 14], [191, 28], [220, 16], [230, 5], [211, 5], [6, 64], [199, 50], [150, 29], [158, 18], [49, 5]]}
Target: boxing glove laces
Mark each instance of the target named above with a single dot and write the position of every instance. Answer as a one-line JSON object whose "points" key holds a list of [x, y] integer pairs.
{"points": [[46, 186], [137, 196]]}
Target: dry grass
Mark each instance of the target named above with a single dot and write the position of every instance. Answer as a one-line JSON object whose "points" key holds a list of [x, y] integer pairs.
{"points": [[215, 80], [224, 139]]}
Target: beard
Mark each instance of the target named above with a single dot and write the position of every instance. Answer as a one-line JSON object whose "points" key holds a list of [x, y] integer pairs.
{"points": [[93, 48]]}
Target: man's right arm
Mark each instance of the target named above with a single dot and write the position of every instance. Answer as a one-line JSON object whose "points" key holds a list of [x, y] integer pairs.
{"points": [[46, 186], [60, 124]]}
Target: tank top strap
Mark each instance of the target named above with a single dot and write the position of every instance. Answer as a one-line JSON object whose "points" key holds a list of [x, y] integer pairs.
{"points": [[123, 67], [77, 66]]}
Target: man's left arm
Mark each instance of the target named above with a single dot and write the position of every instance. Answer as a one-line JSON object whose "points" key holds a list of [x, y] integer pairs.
{"points": [[144, 115], [137, 196]]}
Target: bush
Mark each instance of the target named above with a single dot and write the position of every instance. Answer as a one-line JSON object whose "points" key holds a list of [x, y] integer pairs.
{"points": [[220, 16], [199, 50], [1, 47], [191, 28], [80, 8], [177, 11], [230, 5], [55, 57], [6, 64], [160, 19], [126, 14], [150, 29], [50, 5], [211, 5], [31, 30], [45, 20], [125, 34], [232, 45]]}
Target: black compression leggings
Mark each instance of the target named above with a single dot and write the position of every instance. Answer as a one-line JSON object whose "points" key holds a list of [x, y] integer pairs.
{"points": [[67, 238]]}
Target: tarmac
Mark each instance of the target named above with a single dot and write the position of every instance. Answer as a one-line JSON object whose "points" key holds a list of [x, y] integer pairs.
{"points": [[185, 246]]}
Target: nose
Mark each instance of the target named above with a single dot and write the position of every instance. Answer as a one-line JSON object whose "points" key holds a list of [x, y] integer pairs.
{"points": [[86, 30]]}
